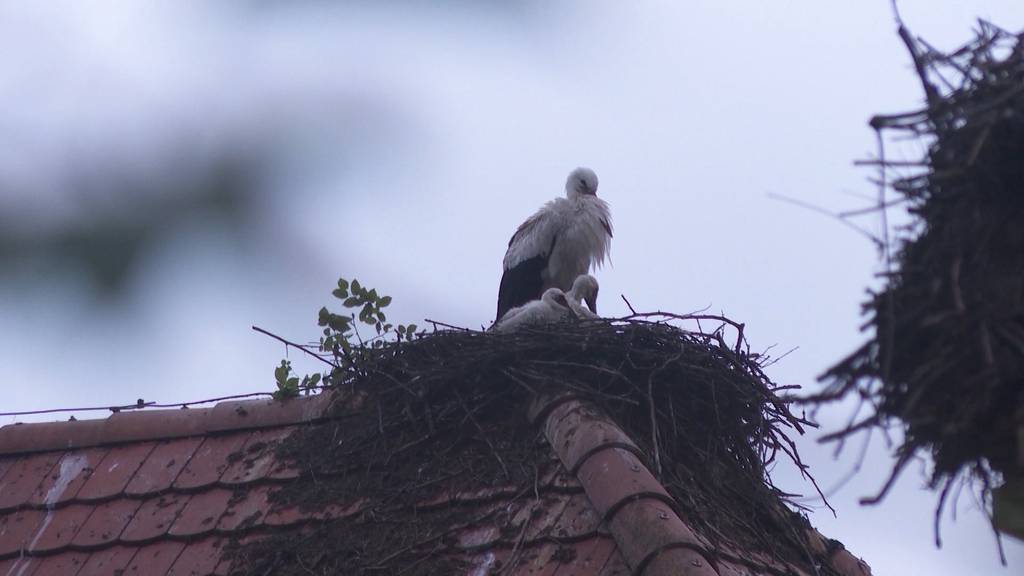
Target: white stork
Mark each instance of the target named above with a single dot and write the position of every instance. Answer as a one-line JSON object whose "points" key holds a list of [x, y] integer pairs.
{"points": [[584, 289], [552, 307], [559, 242]]}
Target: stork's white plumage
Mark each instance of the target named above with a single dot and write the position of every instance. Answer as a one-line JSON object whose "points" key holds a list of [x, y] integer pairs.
{"points": [[552, 307], [561, 241], [584, 289]]}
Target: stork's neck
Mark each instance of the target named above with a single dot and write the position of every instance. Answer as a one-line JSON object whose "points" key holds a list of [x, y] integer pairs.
{"points": [[576, 196]]}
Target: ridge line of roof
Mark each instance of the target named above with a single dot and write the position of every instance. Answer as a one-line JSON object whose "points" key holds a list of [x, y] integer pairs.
{"points": [[151, 425], [649, 533], [641, 515]]}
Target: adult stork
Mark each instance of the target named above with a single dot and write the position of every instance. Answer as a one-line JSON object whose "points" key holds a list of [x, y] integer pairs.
{"points": [[559, 242], [584, 289], [553, 306]]}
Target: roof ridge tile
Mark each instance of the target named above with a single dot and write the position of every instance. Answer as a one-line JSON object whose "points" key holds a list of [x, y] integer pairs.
{"points": [[650, 534], [147, 425]]}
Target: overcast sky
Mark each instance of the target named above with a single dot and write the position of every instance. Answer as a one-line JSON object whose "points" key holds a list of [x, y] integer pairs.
{"points": [[404, 144]]}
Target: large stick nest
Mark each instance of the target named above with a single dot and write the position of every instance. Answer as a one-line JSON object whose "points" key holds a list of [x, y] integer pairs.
{"points": [[946, 363], [448, 412]]}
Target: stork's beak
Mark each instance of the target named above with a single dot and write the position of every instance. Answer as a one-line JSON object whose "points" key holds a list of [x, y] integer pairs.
{"points": [[592, 303]]}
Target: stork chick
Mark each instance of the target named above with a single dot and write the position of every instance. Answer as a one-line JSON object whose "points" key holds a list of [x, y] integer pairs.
{"points": [[553, 306], [584, 289]]}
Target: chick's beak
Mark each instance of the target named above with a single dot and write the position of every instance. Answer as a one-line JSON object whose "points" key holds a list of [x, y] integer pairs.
{"points": [[592, 303]]}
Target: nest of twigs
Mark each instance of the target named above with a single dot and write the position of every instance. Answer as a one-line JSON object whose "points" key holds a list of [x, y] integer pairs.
{"points": [[448, 411], [946, 363]]}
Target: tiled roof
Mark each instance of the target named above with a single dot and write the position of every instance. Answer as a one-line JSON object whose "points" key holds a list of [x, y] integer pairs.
{"points": [[174, 491]]}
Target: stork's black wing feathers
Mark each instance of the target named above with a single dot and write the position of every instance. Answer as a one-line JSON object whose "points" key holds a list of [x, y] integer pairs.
{"points": [[524, 281], [521, 284]]}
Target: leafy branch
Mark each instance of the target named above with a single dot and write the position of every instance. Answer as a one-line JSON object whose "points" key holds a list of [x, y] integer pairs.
{"points": [[341, 340]]}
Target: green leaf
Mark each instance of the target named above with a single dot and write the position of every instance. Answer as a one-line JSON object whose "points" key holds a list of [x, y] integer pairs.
{"points": [[282, 394], [351, 302], [339, 323], [309, 381], [411, 329], [281, 372], [324, 315], [381, 316], [356, 288], [372, 295], [342, 284], [339, 293], [384, 301]]}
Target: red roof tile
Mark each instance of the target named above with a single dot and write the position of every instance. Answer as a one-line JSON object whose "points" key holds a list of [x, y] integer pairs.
{"points": [[155, 558], [198, 558], [578, 519], [18, 529], [23, 476], [591, 557], [246, 509], [256, 458], [108, 561], [201, 513], [58, 527], [154, 518], [66, 564], [18, 566], [67, 477], [162, 466], [165, 492], [210, 460], [113, 472], [106, 523]]}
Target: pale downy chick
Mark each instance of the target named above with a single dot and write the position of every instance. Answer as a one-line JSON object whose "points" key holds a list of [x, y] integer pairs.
{"points": [[553, 306]]}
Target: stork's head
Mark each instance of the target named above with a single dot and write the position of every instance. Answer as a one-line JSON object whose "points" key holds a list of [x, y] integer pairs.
{"points": [[585, 288], [581, 181], [555, 297]]}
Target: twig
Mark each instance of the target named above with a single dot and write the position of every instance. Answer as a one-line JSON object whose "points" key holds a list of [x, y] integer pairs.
{"points": [[628, 305], [442, 324], [483, 435], [297, 346], [901, 463], [820, 210]]}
